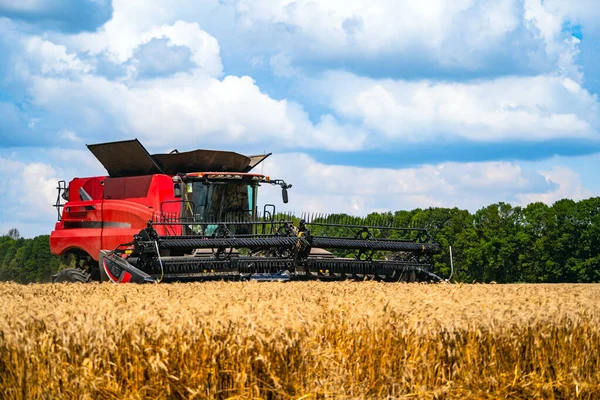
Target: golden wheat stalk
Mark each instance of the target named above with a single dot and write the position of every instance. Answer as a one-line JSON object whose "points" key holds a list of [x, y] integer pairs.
{"points": [[299, 340]]}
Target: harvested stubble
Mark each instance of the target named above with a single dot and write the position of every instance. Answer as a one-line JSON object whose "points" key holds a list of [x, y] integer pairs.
{"points": [[352, 339]]}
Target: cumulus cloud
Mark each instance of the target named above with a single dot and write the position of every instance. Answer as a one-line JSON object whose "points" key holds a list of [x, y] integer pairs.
{"points": [[33, 184], [49, 58], [432, 36], [569, 187], [28, 185], [24, 56], [187, 96], [196, 106], [580, 12], [377, 38], [381, 37], [319, 187], [157, 100], [512, 108], [129, 40], [133, 19]]}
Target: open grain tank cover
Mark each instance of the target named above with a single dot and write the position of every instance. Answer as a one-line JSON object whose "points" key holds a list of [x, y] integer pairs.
{"points": [[202, 161], [125, 158], [255, 160], [130, 158]]}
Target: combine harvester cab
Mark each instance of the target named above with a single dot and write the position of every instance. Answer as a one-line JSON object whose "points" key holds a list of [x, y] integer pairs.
{"points": [[193, 216]]}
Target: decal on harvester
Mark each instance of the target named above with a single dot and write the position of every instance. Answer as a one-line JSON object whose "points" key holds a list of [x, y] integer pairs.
{"points": [[108, 272]]}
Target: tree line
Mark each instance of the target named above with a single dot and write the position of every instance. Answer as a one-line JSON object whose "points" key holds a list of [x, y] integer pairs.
{"points": [[500, 243], [504, 244], [27, 260]]}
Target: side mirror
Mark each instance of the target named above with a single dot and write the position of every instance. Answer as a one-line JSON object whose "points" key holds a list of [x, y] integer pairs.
{"points": [[284, 195], [177, 190]]}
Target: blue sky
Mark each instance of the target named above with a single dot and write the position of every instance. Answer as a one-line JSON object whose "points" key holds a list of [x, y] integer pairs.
{"points": [[367, 106]]}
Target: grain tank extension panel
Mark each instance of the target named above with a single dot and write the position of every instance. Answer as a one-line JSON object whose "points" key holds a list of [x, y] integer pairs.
{"points": [[130, 158]]}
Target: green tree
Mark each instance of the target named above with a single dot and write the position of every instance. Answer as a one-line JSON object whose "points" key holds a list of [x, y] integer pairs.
{"points": [[589, 242], [499, 229], [536, 260]]}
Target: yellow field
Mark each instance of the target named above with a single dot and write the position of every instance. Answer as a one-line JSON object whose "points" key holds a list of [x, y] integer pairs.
{"points": [[311, 340]]}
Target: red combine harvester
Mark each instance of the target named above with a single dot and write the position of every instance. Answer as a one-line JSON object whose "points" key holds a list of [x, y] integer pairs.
{"points": [[193, 216]]}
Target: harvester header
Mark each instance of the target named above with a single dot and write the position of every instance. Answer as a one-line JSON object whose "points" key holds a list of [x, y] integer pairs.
{"points": [[187, 216]]}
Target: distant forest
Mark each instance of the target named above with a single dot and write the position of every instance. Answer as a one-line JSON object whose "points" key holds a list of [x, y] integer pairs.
{"points": [[500, 243], [27, 260]]}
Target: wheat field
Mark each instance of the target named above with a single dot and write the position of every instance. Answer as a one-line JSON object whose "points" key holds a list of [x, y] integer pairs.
{"points": [[299, 340]]}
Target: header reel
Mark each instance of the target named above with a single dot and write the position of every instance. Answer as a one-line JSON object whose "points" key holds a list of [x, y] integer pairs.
{"points": [[314, 246]]}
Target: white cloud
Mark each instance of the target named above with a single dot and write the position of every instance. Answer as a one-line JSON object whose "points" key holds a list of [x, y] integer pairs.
{"points": [[470, 35], [196, 105], [40, 181], [191, 107], [377, 24], [133, 19], [28, 185], [127, 31], [511, 108], [319, 187], [426, 37], [32, 184], [53, 58], [204, 47], [582, 11], [464, 34], [549, 22], [569, 187]]}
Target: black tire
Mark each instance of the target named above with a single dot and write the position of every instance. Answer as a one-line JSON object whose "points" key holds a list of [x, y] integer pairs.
{"points": [[95, 272], [72, 275]]}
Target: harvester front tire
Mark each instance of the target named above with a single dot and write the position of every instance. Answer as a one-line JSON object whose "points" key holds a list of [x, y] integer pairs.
{"points": [[72, 275]]}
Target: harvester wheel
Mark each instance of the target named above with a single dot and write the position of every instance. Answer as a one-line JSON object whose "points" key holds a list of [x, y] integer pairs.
{"points": [[73, 275]]}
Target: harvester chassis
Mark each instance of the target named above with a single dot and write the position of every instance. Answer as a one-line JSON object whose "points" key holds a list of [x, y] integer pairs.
{"points": [[194, 216]]}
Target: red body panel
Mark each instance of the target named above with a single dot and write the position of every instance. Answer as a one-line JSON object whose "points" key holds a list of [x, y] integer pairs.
{"points": [[119, 209], [108, 221]]}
